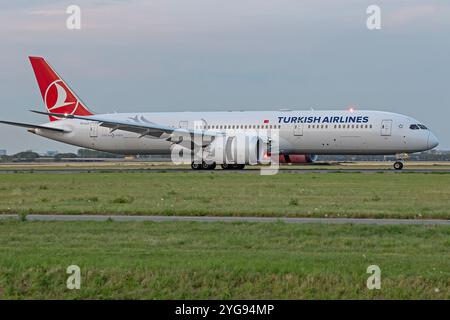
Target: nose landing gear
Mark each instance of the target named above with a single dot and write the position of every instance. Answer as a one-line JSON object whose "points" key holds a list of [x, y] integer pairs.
{"points": [[398, 165]]}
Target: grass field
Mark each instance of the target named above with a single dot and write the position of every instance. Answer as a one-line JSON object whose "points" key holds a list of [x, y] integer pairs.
{"points": [[170, 260], [394, 195]]}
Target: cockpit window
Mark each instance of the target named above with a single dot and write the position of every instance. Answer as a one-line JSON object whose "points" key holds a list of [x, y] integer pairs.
{"points": [[417, 127]]}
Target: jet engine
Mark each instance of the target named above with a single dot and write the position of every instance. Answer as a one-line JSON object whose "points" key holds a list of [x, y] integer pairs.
{"points": [[237, 149]]}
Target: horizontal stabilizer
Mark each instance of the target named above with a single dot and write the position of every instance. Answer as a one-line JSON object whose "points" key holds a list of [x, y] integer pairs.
{"points": [[32, 126]]}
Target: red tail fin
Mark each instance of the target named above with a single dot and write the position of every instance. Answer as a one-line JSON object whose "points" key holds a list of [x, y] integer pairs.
{"points": [[57, 95]]}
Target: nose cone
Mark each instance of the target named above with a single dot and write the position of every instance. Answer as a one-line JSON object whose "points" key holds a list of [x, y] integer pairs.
{"points": [[432, 141]]}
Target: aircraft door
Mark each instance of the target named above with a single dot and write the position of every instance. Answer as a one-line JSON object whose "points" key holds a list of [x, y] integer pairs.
{"points": [[298, 129], [93, 129], [386, 127]]}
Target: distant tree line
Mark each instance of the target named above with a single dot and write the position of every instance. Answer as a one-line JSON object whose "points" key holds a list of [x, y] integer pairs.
{"points": [[88, 153], [30, 156]]}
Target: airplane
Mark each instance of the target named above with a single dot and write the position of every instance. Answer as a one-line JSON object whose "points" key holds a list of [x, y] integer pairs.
{"points": [[300, 135]]}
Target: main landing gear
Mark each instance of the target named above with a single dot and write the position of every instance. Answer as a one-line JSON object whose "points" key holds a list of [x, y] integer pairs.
{"points": [[203, 166], [211, 166]]}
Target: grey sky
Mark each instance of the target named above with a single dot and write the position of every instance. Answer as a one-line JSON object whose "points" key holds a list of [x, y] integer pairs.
{"points": [[176, 55]]}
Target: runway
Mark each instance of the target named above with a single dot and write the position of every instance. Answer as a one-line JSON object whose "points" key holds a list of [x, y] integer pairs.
{"points": [[219, 171], [53, 217]]}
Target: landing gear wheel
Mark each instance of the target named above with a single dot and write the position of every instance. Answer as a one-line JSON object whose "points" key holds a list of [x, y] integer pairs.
{"points": [[205, 165], [196, 166], [212, 166], [225, 166], [208, 166], [398, 165]]}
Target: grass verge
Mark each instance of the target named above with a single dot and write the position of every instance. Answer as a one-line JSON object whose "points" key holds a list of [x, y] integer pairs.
{"points": [[370, 195], [192, 260]]}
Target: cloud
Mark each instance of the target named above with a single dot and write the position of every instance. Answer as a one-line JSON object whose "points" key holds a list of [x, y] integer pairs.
{"points": [[47, 12]]}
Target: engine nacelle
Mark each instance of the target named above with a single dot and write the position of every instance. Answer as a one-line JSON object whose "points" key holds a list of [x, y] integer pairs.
{"points": [[238, 149], [297, 158]]}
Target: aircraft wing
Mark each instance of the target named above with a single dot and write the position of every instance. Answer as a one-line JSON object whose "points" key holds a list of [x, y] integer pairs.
{"points": [[32, 126], [136, 124]]}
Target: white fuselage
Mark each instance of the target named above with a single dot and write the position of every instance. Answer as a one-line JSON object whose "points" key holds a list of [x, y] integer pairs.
{"points": [[300, 132]]}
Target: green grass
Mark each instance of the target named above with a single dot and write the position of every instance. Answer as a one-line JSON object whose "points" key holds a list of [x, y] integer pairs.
{"points": [[394, 195], [193, 260]]}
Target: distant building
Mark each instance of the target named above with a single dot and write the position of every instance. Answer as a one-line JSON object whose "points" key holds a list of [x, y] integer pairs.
{"points": [[2, 152]]}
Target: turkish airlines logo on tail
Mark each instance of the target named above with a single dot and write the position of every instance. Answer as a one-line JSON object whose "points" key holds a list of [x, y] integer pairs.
{"points": [[59, 99]]}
